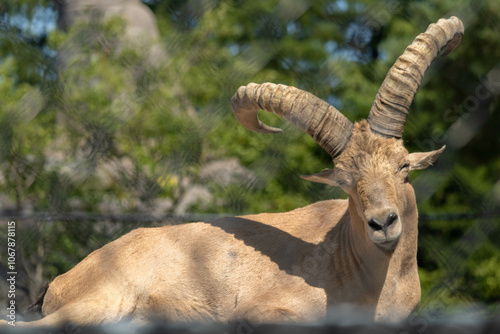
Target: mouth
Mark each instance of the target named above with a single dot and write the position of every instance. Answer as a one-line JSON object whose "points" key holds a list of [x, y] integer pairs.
{"points": [[383, 240], [388, 242], [387, 245]]}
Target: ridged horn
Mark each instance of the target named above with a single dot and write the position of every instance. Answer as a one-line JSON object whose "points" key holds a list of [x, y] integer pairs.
{"points": [[392, 102], [324, 123]]}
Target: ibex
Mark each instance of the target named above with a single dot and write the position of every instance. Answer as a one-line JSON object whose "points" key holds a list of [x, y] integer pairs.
{"points": [[279, 267]]}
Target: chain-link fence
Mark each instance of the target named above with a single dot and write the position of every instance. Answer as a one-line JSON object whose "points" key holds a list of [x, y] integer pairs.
{"points": [[102, 131]]}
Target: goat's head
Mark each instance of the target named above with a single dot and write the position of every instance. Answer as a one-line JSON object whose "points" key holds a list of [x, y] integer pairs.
{"points": [[373, 170], [371, 163]]}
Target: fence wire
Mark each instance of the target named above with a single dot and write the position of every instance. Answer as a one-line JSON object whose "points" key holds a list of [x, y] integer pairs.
{"points": [[148, 131]]}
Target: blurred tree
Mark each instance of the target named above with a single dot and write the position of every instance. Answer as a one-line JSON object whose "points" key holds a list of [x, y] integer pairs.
{"points": [[113, 132]]}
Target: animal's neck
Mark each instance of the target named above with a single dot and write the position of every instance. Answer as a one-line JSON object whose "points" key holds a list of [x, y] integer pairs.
{"points": [[374, 260], [401, 290], [404, 256], [382, 272]]}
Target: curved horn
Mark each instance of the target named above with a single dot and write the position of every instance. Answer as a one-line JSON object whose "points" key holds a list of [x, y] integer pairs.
{"points": [[392, 102], [325, 124]]}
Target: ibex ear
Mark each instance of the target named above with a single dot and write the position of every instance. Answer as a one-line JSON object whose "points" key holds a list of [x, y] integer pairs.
{"points": [[325, 176], [423, 160]]}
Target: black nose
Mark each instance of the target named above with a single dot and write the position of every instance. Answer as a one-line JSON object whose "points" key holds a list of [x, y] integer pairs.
{"points": [[376, 225]]}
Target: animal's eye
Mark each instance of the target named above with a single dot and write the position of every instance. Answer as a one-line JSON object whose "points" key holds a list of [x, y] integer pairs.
{"points": [[403, 167], [341, 183]]}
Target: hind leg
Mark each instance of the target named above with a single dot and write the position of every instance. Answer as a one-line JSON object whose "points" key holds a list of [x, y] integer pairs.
{"points": [[82, 313]]}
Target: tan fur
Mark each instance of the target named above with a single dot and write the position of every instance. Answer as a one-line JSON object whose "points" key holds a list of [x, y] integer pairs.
{"points": [[269, 267]]}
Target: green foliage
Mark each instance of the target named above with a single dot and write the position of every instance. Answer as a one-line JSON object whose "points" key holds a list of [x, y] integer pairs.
{"points": [[90, 123]]}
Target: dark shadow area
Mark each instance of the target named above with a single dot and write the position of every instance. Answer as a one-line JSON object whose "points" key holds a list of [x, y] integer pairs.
{"points": [[287, 251], [315, 263]]}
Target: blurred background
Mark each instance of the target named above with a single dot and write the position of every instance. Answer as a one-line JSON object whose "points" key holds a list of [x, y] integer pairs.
{"points": [[116, 114]]}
